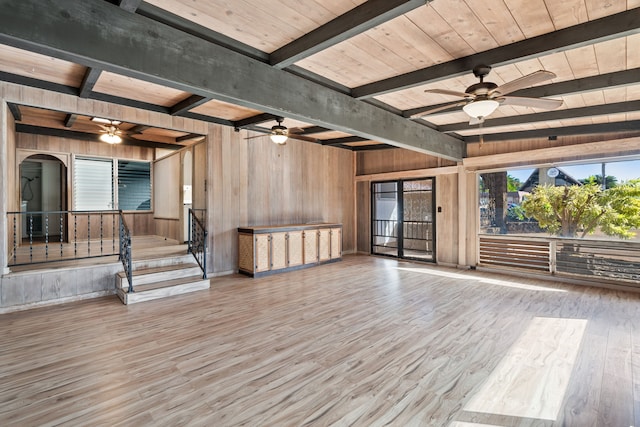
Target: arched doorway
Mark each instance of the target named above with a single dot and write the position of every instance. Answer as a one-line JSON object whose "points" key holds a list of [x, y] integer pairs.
{"points": [[43, 196]]}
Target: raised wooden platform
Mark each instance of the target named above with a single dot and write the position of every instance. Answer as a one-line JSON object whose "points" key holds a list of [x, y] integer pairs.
{"points": [[143, 247]]}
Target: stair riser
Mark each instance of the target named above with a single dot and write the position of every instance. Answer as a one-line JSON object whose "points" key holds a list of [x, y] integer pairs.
{"points": [[153, 263], [159, 277], [162, 292]]}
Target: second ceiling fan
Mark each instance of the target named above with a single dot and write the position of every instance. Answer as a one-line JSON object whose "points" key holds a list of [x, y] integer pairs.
{"points": [[279, 134], [481, 99]]}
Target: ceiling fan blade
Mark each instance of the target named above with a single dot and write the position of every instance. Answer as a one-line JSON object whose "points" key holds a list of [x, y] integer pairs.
{"points": [[295, 130], [303, 138], [257, 136], [446, 106], [547, 104], [523, 82], [449, 92]]}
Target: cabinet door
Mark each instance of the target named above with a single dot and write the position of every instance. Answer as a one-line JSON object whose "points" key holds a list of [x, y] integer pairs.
{"points": [[262, 252], [324, 244], [245, 252], [278, 251], [295, 248], [336, 243], [310, 246]]}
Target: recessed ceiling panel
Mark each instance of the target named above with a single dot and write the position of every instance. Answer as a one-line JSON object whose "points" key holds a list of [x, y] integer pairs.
{"points": [[41, 67], [263, 25], [224, 110], [139, 90]]}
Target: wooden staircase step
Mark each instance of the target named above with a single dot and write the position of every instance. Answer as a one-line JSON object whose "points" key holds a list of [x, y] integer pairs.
{"points": [[163, 289], [158, 274]]}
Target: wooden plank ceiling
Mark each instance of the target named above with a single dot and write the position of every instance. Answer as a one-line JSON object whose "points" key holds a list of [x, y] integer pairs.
{"points": [[387, 59]]}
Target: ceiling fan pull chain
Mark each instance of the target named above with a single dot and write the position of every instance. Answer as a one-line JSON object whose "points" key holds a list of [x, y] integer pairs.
{"points": [[481, 136]]}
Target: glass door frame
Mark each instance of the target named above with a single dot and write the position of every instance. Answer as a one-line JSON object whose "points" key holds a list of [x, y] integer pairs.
{"points": [[400, 251]]}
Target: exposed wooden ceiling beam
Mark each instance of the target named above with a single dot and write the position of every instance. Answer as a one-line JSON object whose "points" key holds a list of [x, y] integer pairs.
{"points": [[615, 127], [187, 104], [69, 120], [371, 147], [310, 130], [203, 118], [37, 83], [189, 137], [342, 140], [569, 87], [96, 32], [85, 136], [356, 21], [89, 80], [179, 23], [317, 78], [15, 111], [254, 120], [572, 113], [157, 14], [610, 27], [69, 90], [138, 129]]}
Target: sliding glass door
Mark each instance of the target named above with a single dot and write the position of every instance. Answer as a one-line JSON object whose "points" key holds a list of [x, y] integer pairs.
{"points": [[384, 215], [402, 219]]}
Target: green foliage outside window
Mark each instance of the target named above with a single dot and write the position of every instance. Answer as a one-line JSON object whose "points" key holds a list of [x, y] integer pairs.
{"points": [[578, 210]]}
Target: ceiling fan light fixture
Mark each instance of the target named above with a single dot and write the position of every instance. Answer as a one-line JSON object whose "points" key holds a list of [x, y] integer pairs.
{"points": [[110, 138], [278, 138], [482, 108]]}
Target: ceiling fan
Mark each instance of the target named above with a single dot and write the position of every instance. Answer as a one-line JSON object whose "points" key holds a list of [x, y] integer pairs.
{"points": [[482, 99], [110, 131], [279, 134]]}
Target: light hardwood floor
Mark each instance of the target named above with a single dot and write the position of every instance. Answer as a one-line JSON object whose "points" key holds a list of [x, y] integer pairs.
{"points": [[366, 342]]}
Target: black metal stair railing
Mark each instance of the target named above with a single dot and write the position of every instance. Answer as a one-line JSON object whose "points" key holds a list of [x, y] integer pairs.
{"points": [[125, 251], [197, 243], [50, 236]]}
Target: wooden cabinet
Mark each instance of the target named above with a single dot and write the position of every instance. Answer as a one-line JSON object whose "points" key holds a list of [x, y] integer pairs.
{"points": [[266, 250], [310, 249], [295, 248], [336, 242]]}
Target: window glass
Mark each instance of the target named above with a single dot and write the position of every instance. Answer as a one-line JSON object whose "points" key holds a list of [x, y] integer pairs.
{"points": [[92, 184], [502, 195], [134, 186]]}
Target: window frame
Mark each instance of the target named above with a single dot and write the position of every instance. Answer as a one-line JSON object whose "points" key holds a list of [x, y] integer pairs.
{"points": [[114, 179]]}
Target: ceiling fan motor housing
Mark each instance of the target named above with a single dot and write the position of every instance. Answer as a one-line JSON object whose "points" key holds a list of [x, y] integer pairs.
{"points": [[481, 71], [482, 88], [279, 130]]}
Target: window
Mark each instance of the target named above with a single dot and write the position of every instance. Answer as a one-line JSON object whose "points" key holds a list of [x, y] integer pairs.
{"points": [[92, 184], [94, 189], [503, 193], [134, 189]]}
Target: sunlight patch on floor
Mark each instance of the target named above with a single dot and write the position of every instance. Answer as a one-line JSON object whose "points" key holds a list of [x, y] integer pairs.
{"points": [[532, 378], [505, 283]]}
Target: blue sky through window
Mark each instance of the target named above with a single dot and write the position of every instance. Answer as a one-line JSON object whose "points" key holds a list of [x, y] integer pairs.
{"points": [[623, 170]]}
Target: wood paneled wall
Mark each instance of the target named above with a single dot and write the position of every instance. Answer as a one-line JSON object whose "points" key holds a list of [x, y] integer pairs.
{"points": [[51, 144], [257, 182], [363, 213], [395, 160], [500, 147], [447, 219], [398, 163]]}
